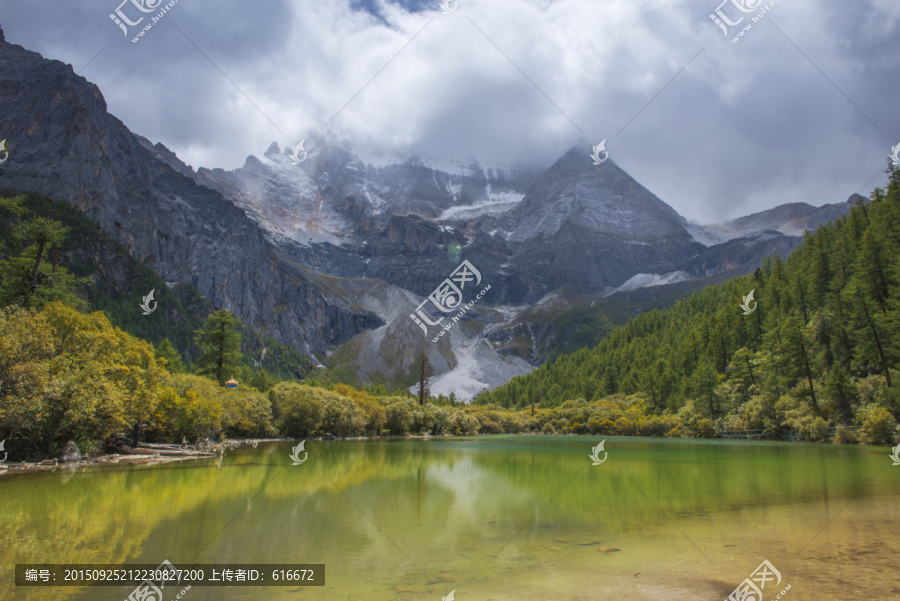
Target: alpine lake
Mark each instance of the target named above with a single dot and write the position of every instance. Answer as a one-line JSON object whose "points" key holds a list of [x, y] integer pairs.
{"points": [[521, 518]]}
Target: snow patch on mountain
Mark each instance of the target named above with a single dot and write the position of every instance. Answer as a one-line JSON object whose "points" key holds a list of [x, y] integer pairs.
{"points": [[498, 203], [381, 159], [709, 237], [645, 280]]}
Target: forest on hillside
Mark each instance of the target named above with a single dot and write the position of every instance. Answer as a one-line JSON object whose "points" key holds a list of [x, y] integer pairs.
{"points": [[818, 351]]}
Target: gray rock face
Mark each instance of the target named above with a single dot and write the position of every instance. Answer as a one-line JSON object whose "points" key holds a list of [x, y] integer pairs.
{"points": [[65, 145], [70, 453], [601, 197], [741, 256]]}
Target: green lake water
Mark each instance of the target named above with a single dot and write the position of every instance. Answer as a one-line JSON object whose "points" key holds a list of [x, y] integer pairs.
{"points": [[494, 518]]}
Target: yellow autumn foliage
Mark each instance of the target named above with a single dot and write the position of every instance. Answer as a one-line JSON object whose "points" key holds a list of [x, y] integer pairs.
{"points": [[66, 375]]}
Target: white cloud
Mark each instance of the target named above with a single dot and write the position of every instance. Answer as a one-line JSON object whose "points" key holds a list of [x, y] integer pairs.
{"points": [[745, 127]]}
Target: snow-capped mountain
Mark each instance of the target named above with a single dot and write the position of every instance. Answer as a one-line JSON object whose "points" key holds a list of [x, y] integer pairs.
{"points": [[334, 195]]}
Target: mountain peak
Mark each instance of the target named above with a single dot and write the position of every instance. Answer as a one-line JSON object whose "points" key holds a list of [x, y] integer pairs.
{"points": [[601, 197], [2, 37]]}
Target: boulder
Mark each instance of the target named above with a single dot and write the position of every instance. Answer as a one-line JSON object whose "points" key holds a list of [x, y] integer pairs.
{"points": [[70, 454]]}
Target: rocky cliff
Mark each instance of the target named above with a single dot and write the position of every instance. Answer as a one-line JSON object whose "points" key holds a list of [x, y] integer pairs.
{"points": [[65, 145]]}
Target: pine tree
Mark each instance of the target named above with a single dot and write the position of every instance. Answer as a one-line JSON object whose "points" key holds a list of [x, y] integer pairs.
{"points": [[166, 351], [796, 349], [31, 278], [871, 336], [219, 342], [261, 381], [841, 393], [423, 382], [706, 379]]}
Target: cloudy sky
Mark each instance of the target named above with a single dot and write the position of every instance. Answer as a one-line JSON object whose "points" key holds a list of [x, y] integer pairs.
{"points": [[803, 108]]}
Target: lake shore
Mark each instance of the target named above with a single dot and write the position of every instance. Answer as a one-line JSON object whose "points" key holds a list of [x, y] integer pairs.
{"points": [[153, 458]]}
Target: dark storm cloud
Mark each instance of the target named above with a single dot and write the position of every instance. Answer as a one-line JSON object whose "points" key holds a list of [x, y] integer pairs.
{"points": [[743, 127]]}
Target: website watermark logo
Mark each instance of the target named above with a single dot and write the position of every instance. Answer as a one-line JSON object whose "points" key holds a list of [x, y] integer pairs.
{"points": [[445, 5], [148, 591], [745, 6], [448, 297], [146, 304], [295, 153], [145, 6], [745, 305], [595, 453], [295, 455], [3, 442], [4, 150], [748, 589], [601, 147], [895, 155], [895, 455]]}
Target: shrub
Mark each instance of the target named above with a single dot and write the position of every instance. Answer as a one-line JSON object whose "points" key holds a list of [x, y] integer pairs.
{"points": [[704, 428], [70, 376], [246, 413], [341, 416], [846, 435], [298, 408], [624, 426], [878, 427], [814, 430], [463, 424], [677, 431], [184, 415], [398, 415], [608, 427], [440, 420], [655, 426], [375, 416], [488, 426]]}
